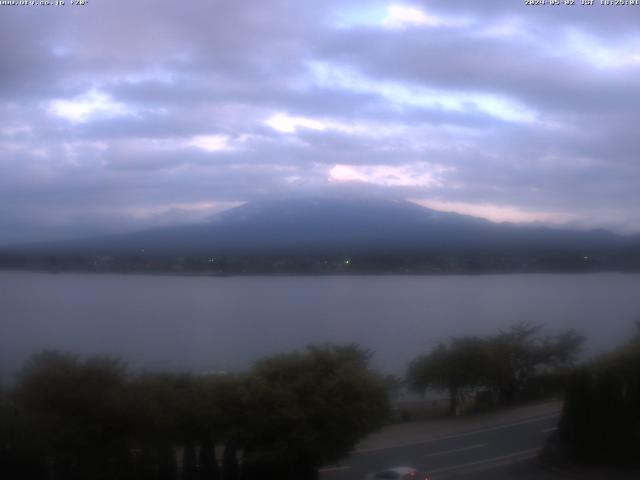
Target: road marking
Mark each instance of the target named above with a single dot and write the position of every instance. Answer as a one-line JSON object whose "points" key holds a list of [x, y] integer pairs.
{"points": [[455, 450], [549, 430], [521, 455], [458, 435], [334, 469]]}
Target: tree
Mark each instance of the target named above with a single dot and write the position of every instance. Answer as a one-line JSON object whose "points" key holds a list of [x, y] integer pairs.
{"points": [[519, 353], [222, 412], [454, 366], [73, 409], [230, 466], [505, 362], [208, 464], [308, 409], [600, 422], [189, 463], [156, 402]]}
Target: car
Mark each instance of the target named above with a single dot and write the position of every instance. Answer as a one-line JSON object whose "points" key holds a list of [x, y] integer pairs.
{"points": [[398, 473]]}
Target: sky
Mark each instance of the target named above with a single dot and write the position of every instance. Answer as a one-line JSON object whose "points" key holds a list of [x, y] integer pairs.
{"points": [[119, 115]]}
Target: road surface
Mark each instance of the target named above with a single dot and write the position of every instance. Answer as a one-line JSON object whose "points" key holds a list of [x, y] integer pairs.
{"points": [[504, 447]]}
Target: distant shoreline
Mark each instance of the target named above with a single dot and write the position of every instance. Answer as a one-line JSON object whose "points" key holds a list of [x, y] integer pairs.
{"points": [[317, 274]]}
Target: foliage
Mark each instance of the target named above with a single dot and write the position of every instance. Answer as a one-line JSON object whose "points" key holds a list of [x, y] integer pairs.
{"points": [[600, 420], [462, 363], [91, 419], [519, 353], [73, 411], [311, 408], [506, 362]]}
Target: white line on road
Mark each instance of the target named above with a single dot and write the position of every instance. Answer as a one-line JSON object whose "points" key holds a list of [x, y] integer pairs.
{"points": [[521, 455], [457, 435], [455, 450], [334, 469]]}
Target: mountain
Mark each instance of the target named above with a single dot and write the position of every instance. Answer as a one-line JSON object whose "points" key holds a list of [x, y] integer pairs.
{"points": [[341, 226]]}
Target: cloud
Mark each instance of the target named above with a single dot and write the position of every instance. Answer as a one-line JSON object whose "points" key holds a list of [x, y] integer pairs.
{"points": [[399, 16], [393, 16], [399, 176], [490, 108], [420, 97], [287, 124], [210, 143], [88, 106], [496, 213]]}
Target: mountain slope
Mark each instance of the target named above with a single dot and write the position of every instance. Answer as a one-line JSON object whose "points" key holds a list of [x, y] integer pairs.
{"points": [[341, 226]]}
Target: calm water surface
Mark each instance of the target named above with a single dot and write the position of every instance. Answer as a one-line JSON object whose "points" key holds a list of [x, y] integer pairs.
{"points": [[209, 323]]}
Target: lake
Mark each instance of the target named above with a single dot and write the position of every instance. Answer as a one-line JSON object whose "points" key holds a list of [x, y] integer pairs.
{"points": [[225, 323]]}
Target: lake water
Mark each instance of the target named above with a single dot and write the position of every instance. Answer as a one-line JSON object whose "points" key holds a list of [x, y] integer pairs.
{"points": [[211, 323]]}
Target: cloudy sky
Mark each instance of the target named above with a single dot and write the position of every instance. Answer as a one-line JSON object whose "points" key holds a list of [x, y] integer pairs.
{"points": [[119, 115]]}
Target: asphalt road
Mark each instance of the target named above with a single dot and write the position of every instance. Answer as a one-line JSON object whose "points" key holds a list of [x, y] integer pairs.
{"points": [[501, 451]]}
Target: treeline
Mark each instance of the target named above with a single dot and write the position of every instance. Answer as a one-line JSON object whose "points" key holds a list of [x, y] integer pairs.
{"points": [[327, 264], [68, 418], [516, 364], [73, 418], [600, 421]]}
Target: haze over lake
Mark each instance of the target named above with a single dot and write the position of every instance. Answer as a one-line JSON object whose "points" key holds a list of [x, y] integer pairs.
{"points": [[224, 323]]}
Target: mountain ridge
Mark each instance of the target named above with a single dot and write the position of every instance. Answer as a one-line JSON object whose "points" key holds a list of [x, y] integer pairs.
{"points": [[316, 226]]}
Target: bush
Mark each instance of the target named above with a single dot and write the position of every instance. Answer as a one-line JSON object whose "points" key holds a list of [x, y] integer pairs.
{"points": [[600, 422]]}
